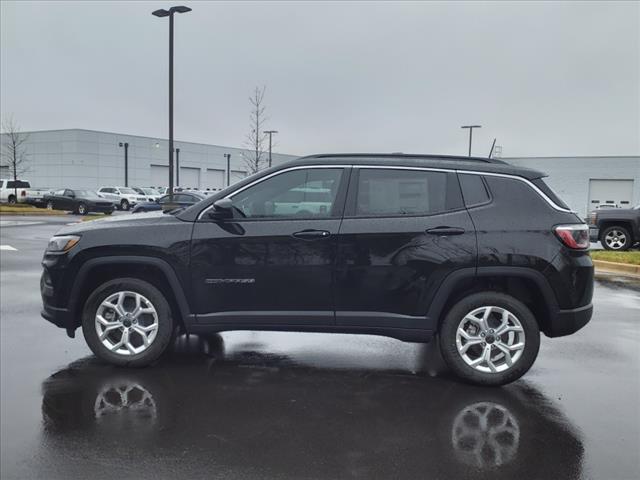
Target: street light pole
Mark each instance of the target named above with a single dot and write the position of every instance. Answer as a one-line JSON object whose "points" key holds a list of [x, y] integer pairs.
{"points": [[471, 127], [126, 162], [228, 157], [169, 13], [270, 133], [177, 167]]}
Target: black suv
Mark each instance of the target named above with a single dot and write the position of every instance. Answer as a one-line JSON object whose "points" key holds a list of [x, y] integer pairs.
{"points": [[481, 252]]}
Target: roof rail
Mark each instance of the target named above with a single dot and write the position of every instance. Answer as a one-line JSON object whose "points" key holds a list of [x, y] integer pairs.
{"points": [[406, 155]]}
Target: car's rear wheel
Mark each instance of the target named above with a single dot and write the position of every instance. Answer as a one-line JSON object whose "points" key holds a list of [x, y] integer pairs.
{"points": [[82, 209], [108, 212], [124, 205], [489, 338], [616, 238], [49, 205], [12, 200], [127, 322]]}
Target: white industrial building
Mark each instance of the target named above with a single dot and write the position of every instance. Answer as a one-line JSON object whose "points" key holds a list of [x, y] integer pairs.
{"points": [[85, 158], [77, 158]]}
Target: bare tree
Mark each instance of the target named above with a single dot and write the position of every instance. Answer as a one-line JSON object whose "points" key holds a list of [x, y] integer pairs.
{"points": [[13, 154], [255, 158]]}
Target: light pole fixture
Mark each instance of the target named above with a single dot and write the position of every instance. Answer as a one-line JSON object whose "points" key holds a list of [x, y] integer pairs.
{"points": [[270, 133], [177, 167], [471, 127], [126, 162], [228, 157], [169, 13]]}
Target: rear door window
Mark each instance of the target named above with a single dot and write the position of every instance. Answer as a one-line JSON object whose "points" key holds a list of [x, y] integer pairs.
{"points": [[398, 192]]}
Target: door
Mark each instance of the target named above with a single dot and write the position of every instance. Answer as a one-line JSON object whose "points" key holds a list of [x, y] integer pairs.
{"points": [[67, 201], [610, 194], [190, 177], [236, 176], [270, 264], [404, 230], [215, 179], [159, 175]]}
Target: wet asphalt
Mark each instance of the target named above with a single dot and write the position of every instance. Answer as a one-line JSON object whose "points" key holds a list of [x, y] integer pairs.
{"points": [[254, 405]]}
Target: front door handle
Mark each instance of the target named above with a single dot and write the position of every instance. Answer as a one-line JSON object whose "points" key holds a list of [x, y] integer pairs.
{"points": [[445, 231], [312, 234]]}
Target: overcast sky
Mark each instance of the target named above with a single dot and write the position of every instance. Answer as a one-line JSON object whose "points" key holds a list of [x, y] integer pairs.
{"points": [[544, 78]]}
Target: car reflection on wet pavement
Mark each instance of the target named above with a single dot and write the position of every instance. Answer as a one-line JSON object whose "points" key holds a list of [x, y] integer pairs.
{"points": [[264, 416]]}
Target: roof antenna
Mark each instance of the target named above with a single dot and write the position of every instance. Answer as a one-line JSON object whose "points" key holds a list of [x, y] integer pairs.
{"points": [[492, 145]]}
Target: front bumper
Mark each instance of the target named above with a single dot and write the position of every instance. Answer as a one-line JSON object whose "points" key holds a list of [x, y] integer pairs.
{"points": [[594, 233], [570, 321], [59, 316]]}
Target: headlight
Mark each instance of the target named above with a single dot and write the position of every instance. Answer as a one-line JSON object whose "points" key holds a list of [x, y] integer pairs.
{"points": [[63, 243]]}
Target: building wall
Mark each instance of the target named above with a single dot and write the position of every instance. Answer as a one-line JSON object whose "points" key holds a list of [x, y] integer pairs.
{"points": [[569, 176], [85, 158]]}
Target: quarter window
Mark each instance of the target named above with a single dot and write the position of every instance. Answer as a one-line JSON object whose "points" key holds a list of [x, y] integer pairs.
{"points": [[389, 192], [308, 193]]}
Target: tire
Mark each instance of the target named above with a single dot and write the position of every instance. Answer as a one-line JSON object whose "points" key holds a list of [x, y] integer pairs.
{"points": [[50, 205], [12, 200], [128, 356], [483, 374], [124, 205], [108, 212], [616, 238], [82, 209]]}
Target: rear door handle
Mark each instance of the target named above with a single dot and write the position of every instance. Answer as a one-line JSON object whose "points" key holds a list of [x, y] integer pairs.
{"points": [[312, 234], [445, 231]]}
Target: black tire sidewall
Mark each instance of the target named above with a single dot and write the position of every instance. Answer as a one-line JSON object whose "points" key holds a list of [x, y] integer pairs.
{"points": [[165, 322], [627, 234], [450, 324]]}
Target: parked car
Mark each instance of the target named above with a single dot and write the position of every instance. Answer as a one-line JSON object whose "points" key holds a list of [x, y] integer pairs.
{"points": [[169, 202], [13, 191], [480, 252], [149, 194], [35, 196], [78, 201], [123, 197], [615, 228]]}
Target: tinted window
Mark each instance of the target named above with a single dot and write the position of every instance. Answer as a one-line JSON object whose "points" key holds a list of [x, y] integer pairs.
{"points": [[387, 192], [307, 193], [59, 192], [473, 190], [17, 184]]}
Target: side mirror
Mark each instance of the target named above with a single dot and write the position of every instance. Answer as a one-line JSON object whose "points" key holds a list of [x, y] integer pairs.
{"points": [[221, 209]]}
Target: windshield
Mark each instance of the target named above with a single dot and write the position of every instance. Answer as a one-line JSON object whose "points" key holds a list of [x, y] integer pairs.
{"points": [[128, 191], [149, 191], [87, 194]]}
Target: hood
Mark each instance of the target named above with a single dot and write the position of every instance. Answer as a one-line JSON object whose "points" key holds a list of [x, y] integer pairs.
{"points": [[120, 221]]}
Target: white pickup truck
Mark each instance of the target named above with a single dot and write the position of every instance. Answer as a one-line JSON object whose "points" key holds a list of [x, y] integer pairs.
{"points": [[13, 191]]}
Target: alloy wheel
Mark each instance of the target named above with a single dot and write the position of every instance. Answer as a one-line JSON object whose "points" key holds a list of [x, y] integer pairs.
{"points": [[490, 339], [126, 323], [615, 239]]}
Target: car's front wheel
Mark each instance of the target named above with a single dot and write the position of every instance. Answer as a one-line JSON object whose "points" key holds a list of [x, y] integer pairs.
{"points": [[489, 338], [616, 238], [124, 205], [127, 322], [49, 205], [82, 209]]}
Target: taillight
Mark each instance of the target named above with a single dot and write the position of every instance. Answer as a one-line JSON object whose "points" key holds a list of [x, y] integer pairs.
{"points": [[24, 193], [573, 236]]}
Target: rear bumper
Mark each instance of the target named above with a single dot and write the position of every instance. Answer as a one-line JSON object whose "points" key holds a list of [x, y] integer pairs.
{"points": [[570, 321]]}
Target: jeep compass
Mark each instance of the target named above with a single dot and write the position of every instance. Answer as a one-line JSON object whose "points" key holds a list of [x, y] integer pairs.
{"points": [[477, 251]]}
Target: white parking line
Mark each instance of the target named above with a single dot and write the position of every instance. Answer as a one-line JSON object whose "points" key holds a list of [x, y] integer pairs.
{"points": [[8, 247]]}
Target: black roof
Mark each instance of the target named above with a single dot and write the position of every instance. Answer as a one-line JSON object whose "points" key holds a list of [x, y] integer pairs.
{"points": [[450, 162]]}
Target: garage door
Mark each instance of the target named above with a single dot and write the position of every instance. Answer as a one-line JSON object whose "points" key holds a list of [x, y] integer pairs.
{"points": [[614, 193], [237, 175], [159, 176], [214, 179], [189, 177]]}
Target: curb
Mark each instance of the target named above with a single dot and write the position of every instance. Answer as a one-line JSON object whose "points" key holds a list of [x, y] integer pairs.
{"points": [[621, 268], [26, 214]]}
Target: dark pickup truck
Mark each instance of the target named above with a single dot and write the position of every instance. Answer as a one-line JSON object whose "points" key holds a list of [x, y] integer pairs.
{"points": [[616, 228]]}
